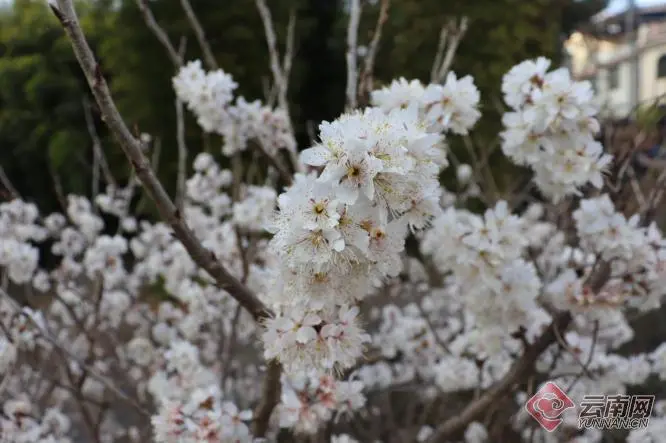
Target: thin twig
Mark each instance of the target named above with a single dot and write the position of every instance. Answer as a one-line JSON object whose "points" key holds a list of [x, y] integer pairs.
{"points": [[277, 163], [270, 397], [161, 35], [522, 367], [288, 58], [92, 371], [282, 71], [366, 82], [199, 33], [97, 144], [439, 55], [433, 331], [57, 187], [273, 53], [563, 343], [590, 357], [452, 47], [182, 145], [352, 52], [229, 346], [4, 179]]}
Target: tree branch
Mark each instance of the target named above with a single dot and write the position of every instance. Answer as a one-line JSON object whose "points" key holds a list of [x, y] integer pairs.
{"points": [[352, 52], [199, 33], [161, 35], [271, 40], [203, 257], [439, 55], [457, 32], [97, 144], [366, 83], [270, 398], [182, 144], [521, 369], [68, 355], [4, 179], [280, 72]]}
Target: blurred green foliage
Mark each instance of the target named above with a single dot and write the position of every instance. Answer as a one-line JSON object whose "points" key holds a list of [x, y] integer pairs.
{"points": [[43, 133]]}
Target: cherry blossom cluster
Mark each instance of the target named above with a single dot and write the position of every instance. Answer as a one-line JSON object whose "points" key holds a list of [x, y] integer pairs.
{"points": [[210, 96], [485, 255], [20, 422], [207, 94], [341, 232], [309, 400], [636, 256], [551, 128], [463, 364], [94, 294], [191, 408], [18, 229], [451, 107]]}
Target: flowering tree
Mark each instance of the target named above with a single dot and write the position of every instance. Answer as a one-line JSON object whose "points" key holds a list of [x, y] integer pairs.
{"points": [[254, 311]]}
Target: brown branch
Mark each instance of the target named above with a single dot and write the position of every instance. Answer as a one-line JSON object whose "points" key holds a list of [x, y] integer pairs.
{"points": [[352, 52], [520, 370], [4, 179], [277, 163], [199, 33], [203, 257], [177, 58], [278, 74], [270, 398], [586, 367], [182, 144], [161, 35], [57, 187], [68, 355], [97, 144], [289, 50], [366, 83], [368, 360], [439, 55], [458, 32]]}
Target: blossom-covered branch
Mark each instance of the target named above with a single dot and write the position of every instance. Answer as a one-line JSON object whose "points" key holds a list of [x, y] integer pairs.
{"points": [[375, 303]]}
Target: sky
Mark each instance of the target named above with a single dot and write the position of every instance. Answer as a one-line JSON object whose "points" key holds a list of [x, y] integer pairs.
{"points": [[619, 5]]}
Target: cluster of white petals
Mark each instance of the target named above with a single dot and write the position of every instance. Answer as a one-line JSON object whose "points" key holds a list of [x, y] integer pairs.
{"points": [[22, 422], [210, 97], [191, 406], [451, 107], [485, 253], [551, 128], [309, 400], [340, 233]]}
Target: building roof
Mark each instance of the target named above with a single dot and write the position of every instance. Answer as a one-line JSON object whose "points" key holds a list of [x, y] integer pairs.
{"points": [[612, 26]]}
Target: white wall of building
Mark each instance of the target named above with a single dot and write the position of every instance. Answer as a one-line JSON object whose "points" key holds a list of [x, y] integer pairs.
{"points": [[651, 86], [615, 100], [595, 61]]}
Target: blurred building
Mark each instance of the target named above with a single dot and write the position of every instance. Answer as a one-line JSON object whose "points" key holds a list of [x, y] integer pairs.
{"points": [[624, 56]]}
